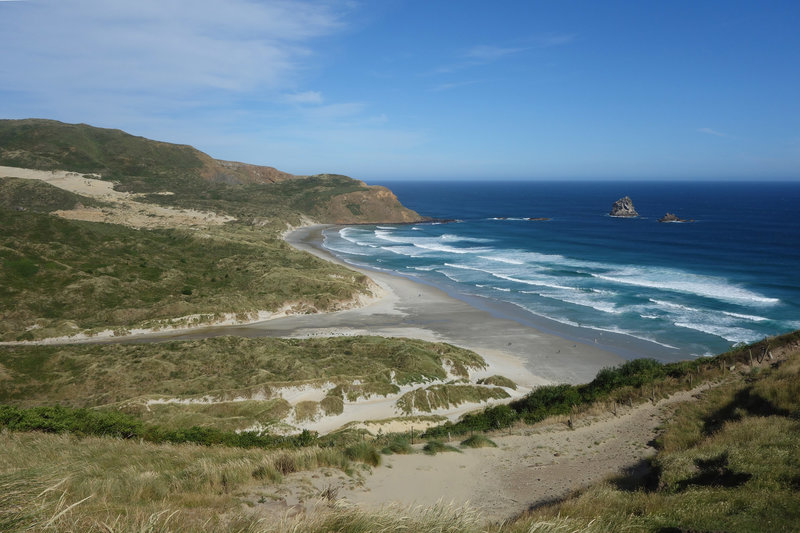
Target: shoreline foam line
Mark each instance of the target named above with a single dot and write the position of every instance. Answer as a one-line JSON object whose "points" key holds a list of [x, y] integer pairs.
{"points": [[627, 346]]}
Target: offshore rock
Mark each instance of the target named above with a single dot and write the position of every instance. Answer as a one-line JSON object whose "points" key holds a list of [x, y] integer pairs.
{"points": [[669, 217], [623, 208]]}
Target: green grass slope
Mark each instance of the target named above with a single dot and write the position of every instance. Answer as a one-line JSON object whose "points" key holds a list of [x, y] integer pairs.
{"points": [[30, 195], [60, 276], [224, 368], [728, 462], [142, 165]]}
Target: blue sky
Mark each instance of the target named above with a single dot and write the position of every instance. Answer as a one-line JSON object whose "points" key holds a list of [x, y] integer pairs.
{"points": [[425, 89]]}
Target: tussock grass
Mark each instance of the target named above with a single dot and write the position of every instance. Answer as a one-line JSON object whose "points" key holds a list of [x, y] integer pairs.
{"points": [[727, 462], [125, 376], [433, 447], [131, 482], [428, 399], [86, 276], [364, 452], [398, 444], [498, 381], [635, 381], [38, 196], [478, 441], [346, 519]]}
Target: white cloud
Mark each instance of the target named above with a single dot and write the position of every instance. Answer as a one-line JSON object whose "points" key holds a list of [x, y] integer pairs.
{"points": [[159, 53]]}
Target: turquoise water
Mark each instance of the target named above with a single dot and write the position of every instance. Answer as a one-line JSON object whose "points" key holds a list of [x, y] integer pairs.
{"points": [[684, 289]]}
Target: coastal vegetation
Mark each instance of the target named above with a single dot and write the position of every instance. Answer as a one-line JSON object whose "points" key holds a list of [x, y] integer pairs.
{"points": [[62, 277], [226, 383], [726, 461], [630, 382], [194, 179], [205, 434]]}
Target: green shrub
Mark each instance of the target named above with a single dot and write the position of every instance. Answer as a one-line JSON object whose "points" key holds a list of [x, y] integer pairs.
{"points": [[398, 444], [364, 452], [436, 446]]}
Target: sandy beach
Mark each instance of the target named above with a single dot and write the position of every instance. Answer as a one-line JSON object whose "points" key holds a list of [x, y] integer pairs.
{"points": [[402, 307], [412, 309]]}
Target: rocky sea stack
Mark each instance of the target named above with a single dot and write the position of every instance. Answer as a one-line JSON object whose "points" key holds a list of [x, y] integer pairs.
{"points": [[669, 217], [623, 208]]}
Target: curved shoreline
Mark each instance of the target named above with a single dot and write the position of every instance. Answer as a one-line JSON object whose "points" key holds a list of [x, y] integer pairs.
{"points": [[411, 308], [403, 307]]}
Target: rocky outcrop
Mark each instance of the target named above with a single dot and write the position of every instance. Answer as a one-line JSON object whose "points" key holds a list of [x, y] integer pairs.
{"points": [[372, 204], [669, 217], [623, 208]]}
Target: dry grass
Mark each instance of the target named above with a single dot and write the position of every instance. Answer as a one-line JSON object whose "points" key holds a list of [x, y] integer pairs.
{"points": [[130, 483], [728, 462]]}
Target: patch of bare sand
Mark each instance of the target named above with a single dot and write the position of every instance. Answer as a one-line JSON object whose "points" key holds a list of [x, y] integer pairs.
{"points": [[529, 466], [122, 208]]}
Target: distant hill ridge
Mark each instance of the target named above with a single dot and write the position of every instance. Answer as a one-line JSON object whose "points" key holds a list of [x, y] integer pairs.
{"points": [[142, 165]]}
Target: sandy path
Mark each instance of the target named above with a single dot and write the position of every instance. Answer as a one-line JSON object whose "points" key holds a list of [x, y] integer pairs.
{"points": [[529, 466]]}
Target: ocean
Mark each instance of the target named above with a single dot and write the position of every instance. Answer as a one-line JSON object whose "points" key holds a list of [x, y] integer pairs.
{"points": [[680, 290]]}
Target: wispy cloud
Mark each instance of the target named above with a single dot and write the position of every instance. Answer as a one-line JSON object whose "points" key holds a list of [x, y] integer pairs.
{"points": [[489, 53], [709, 131], [165, 54], [546, 40], [482, 54], [454, 85]]}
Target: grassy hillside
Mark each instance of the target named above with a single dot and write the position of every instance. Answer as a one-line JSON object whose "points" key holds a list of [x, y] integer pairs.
{"points": [[141, 165], [225, 369], [727, 462], [31, 195], [60, 276], [52, 145]]}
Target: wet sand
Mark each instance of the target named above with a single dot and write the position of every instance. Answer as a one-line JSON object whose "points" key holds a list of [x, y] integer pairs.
{"points": [[412, 309]]}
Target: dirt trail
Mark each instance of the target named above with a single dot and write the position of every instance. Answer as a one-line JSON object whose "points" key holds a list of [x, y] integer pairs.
{"points": [[530, 466]]}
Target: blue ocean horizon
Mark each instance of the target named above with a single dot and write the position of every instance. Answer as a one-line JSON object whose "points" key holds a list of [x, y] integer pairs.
{"points": [[678, 289]]}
